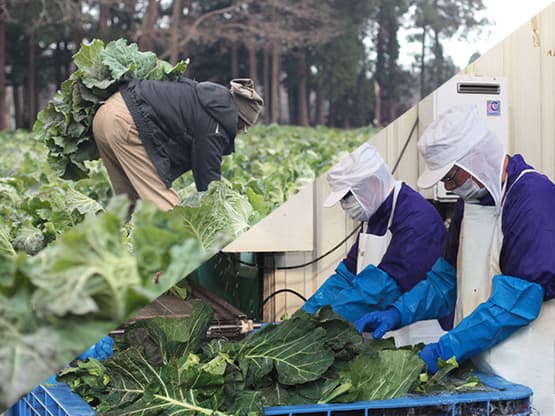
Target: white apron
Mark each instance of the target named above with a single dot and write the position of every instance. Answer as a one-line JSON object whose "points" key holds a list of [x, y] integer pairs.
{"points": [[527, 356], [371, 249]]}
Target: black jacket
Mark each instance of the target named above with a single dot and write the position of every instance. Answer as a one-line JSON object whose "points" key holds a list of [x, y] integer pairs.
{"points": [[183, 125]]}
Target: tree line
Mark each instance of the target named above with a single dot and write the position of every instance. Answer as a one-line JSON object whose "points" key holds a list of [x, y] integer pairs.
{"points": [[317, 62]]}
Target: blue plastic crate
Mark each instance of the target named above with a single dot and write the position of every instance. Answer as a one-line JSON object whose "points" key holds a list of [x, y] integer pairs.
{"points": [[52, 400], [504, 399], [57, 399]]}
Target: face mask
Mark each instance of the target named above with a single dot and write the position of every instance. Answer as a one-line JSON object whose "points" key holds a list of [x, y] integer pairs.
{"points": [[354, 209], [470, 190]]}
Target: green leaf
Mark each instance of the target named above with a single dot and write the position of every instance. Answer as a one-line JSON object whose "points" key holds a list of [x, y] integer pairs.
{"points": [[29, 356], [126, 61], [385, 375], [129, 383], [88, 270], [164, 70], [6, 248], [92, 72], [174, 337], [82, 203], [295, 349]]}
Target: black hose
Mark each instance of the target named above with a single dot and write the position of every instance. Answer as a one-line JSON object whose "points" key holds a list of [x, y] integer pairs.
{"points": [[300, 266]]}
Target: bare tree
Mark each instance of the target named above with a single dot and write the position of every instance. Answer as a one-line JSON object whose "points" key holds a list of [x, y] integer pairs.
{"points": [[35, 16], [175, 30], [103, 15], [2, 65], [278, 26], [147, 35], [198, 24]]}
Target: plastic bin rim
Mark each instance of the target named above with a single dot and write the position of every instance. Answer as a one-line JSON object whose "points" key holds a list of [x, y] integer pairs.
{"points": [[506, 391]]}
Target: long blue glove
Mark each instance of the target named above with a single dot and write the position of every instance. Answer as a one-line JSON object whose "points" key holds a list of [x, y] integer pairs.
{"points": [[432, 352], [514, 303], [326, 293], [372, 290], [432, 298], [380, 321]]}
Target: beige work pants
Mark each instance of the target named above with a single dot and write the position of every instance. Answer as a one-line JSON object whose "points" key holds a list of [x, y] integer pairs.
{"points": [[130, 169]]}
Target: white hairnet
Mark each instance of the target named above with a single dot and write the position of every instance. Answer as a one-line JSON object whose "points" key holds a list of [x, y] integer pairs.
{"points": [[459, 136], [365, 174], [485, 163]]}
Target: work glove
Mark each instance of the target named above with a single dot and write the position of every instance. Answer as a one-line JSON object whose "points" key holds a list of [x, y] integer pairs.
{"points": [[430, 355], [380, 321], [432, 352]]}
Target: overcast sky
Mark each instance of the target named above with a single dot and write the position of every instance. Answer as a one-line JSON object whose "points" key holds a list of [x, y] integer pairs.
{"points": [[507, 15]]}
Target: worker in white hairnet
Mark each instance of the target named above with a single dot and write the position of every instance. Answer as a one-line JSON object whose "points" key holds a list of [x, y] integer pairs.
{"points": [[501, 245], [403, 236]]}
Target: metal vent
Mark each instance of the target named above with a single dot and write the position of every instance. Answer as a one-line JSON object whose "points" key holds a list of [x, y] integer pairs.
{"points": [[478, 88]]}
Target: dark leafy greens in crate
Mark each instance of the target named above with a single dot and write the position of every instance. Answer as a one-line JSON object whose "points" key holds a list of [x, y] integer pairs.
{"points": [[167, 365]]}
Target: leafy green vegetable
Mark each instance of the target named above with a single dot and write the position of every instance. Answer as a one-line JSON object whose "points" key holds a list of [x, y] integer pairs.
{"points": [[29, 350], [89, 270], [162, 339], [387, 374], [159, 374], [29, 239], [6, 248], [296, 351], [164, 366], [64, 125]]}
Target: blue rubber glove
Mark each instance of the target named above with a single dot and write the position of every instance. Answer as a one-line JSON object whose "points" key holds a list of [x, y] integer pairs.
{"points": [[432, 352], [380, 321]]}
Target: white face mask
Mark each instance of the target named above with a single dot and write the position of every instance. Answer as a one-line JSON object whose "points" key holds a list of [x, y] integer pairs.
{"points": [[470, 191], [354, 209]]}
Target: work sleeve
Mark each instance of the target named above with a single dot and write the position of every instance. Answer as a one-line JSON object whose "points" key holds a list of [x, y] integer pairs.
{"points": [[514, 303], [415, 246], [432, 298], [207, 153], [326, 293], [351, 259], [372, 290], [529, 232]]}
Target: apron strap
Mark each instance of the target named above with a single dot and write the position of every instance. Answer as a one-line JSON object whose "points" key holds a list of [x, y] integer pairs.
{"points": [[396, 190], [505, 191]]}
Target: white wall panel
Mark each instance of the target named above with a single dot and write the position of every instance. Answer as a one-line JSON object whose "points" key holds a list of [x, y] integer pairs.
{"points": [[527, 59]]}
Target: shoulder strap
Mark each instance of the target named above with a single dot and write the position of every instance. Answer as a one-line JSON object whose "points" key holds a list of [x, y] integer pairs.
{"points": [[506, 191], [396, 190]]}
